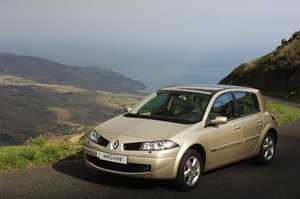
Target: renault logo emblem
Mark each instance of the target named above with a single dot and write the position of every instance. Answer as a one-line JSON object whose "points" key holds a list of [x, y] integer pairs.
{"points": [[115, 144]]}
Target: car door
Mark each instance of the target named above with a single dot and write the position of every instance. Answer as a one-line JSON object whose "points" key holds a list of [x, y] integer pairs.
{"points": [[224, 140], [251, 120]]}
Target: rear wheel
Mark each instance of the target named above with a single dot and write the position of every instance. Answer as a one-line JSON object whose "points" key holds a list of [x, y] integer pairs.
{"points": [[267, 150], [189, 171]]}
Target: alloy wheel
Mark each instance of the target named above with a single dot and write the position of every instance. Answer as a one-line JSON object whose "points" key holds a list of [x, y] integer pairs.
{"points": [[268, 148], [192, 170]]}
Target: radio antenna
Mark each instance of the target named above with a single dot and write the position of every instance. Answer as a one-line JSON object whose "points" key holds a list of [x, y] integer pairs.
{"points": [[230, 83]]}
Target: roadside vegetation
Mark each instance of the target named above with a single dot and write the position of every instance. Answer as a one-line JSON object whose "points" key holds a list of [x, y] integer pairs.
{"points": [[38, 151], [284, 114]]}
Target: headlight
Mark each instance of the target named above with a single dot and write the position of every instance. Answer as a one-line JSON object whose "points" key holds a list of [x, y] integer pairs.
{"points": [[158, 145], [94, 136]]}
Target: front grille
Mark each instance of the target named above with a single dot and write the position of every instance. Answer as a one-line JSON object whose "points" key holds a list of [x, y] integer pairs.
{"points": [[129, 167], [132, 146], [102, 141]]}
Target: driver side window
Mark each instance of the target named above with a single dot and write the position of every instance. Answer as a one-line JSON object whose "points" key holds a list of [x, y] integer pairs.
{"points": [[223, 106]]}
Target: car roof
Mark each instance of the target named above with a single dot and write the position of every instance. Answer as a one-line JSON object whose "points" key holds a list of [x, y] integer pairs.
{"points": [[206, 89]]}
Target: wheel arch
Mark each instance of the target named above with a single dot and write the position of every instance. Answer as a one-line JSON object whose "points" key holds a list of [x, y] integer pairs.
{"points": [[197, 147], [200, 149], [189, 152], [273, 132], [262, 157], [270, 128]]}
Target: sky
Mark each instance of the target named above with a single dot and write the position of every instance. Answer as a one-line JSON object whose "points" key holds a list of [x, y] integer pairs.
{"points": [[159, 42]]}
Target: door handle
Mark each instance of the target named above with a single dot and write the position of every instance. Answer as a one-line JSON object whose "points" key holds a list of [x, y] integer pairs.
{"points": [[258, 121], [237, 128]]}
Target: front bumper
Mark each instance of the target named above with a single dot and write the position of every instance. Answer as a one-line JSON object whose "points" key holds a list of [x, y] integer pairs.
{"points": [[142, 164]]}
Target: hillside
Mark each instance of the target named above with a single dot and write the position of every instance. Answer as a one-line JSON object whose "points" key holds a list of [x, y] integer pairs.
{"points": [[50, 72], [277, 73], [28, 109]]}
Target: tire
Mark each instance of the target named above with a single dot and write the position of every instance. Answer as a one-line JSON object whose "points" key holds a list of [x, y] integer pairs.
{"points": [[189, 171], [267, 150]]}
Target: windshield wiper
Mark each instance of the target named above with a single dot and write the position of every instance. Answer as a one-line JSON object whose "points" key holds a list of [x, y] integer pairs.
{"points": [[167, 119], [133, 115]]}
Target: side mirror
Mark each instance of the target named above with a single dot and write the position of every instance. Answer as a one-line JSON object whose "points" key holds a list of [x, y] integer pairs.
{"points": [[127, 108], [217, 121]]}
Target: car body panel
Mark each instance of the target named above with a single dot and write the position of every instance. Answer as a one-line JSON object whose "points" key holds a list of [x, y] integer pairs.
{"points": [[251, 126], [225, 143], [147, 129]]}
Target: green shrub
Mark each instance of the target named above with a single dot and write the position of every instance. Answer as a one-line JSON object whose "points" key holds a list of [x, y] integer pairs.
{"points": [[29, 153], [38, 141], [283, 114], [11, 157], [37, 152]]}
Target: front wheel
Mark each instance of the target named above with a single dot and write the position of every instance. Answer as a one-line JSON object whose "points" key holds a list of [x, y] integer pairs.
{"points": [[267, 150], [189, 171]]}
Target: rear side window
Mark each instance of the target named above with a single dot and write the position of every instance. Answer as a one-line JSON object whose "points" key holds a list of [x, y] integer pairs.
{"points": [[247, 103]]}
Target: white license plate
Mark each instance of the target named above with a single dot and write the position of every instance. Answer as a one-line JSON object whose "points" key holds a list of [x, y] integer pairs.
{"points": [[112, 157]]}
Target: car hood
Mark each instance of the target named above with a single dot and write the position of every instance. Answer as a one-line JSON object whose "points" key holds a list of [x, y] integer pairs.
{"points": [[139, 128]]}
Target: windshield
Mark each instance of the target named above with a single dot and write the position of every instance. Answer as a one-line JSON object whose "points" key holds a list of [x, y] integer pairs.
{"points": [[180, 107]]}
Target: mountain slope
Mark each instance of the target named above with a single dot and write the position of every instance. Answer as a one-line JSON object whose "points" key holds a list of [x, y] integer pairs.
{"points": [[277, 72], [28, 109], [46, 71]]}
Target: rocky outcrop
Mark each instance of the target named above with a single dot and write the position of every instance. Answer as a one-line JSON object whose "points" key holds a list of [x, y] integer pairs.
{"points": [[295, 36]]}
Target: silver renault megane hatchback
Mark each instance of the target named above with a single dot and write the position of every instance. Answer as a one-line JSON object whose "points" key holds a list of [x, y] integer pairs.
{"points": [[179, 132]]}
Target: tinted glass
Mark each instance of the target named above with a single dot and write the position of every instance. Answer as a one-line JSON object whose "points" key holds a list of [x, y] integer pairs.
{"points": [[247, 103], [223, 106]]}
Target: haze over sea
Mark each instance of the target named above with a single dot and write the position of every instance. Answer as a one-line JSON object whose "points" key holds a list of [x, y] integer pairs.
{"points": [[159, 76], [159, 42]]}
